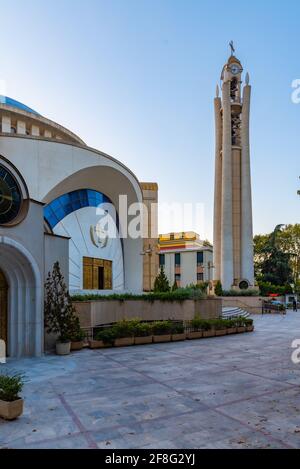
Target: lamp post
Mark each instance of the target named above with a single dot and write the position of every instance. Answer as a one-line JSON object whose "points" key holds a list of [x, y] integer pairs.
{"points": [[210, 266], [148, 252]]}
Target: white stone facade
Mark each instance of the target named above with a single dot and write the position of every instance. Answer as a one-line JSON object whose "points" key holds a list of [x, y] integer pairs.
{"points": [[49, 162]]}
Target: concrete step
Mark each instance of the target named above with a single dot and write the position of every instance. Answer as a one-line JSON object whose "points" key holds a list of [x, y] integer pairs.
{"points": [[234, 312]]}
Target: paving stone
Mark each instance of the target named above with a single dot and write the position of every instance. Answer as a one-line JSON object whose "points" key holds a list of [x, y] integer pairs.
{"points": [[239, 391]]}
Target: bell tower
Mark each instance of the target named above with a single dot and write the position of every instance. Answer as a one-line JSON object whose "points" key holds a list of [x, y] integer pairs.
{"points": [[233, 232]]}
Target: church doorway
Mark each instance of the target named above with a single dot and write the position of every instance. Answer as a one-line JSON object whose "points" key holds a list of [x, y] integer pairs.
{"points": [[3, 307]]}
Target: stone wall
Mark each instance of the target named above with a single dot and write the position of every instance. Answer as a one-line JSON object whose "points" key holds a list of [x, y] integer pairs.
{"points": [[95, 313]]}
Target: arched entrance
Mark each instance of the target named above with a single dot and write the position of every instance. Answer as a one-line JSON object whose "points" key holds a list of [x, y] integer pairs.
{"points": [[3, 306], [24, 299]]}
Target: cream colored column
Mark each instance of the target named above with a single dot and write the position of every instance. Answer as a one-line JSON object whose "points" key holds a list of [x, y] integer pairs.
{"points": [[226, 222], [218, 189], [246, 196]]}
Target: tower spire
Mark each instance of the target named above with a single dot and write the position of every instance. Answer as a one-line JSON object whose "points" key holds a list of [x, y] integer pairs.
{"points": [[233, 232]]}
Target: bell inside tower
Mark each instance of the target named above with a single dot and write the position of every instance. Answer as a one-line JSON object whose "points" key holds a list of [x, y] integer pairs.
{"points": [[234, 90], [236, 128]]}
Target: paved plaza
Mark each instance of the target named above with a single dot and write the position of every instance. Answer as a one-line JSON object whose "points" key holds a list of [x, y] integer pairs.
{"points": [[237, 391]]}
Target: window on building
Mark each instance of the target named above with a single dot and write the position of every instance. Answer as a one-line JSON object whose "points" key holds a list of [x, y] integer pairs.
{"points": [[200, 277], [97, 274], [177, 259], [178, 279], [200, 258], [162, 260]]}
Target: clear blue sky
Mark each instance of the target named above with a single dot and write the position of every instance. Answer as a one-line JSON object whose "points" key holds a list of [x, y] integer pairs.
{"points": [[137, 78]]}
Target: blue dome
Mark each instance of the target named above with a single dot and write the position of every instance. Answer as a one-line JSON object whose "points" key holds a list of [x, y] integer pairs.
{"points": [[14, 103]]}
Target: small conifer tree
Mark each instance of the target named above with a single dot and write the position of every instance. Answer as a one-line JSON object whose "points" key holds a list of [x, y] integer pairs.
{"points": [[175, 286], [161, 283], [218, 288], [58, 309]]}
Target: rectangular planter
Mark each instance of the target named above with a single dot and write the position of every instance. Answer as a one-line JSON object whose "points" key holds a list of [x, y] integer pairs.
{"points": [[94, 344], [221, 332], [240, 330], [157, 339], [194, 335], [231, 330], [143, 340], [250, 328], [178, 337], [76, 346], [11, 410], [124, 342], [209, 333]]}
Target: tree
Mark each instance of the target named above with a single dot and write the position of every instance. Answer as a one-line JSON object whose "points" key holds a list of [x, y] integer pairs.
{"points": [[175, 286], [218, 288], [290, 243], [58, 309], [272, 262], [161, 283]]}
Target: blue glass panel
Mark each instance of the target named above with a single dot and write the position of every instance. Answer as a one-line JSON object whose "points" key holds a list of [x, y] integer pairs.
{"points": [[59, 208], [17, 104], [76, 205]]}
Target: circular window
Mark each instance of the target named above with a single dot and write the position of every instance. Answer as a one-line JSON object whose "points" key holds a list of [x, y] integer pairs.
{"points": [[10, 197], [244, 285]]}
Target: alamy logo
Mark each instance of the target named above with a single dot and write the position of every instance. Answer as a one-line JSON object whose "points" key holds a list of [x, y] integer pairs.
{"points": [[2, 352], [296, 353]]}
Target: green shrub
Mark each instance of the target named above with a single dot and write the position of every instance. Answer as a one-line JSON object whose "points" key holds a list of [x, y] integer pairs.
{"points": [[11, 386], [218, 289], [162, 327], [219, 324], [240, 321], [76, 334], [198, 324], [178, 328], [180, 294], [143, 329], [231, 323], [248, 322], [107, 335], [240, 293], [125, 328]]}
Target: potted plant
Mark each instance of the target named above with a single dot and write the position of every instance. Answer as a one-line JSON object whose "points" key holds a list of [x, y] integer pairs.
{"points": [[59, 311], [124, 331], [77, 335], [208, 330], [96, 343], [105, 337], [161, 331], [196, 329], [249, 325], [220, 327], [178, 332], [240, 325], [231, 326], [11, 404], [143, 333]]}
